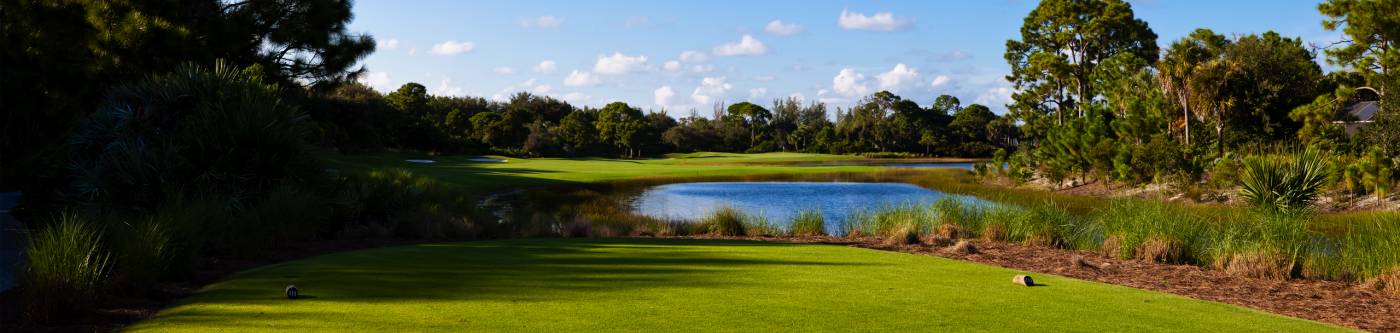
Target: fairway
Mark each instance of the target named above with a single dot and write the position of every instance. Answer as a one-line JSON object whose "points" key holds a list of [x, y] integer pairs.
{"points": [[589, 285], [475, 175]]}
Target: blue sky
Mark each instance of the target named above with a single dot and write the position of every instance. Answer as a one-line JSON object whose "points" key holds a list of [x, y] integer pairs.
{"points": [[679, 56]]}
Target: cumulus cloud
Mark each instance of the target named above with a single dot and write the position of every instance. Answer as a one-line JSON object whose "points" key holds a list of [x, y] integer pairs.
{"points": [[702, 68], [546, 21], [577, 98], [881, 21], [378, 80], [664, 95], [995, 97], [940, 80], [547, 66], [504, 70], [710, 90], [798, 96], [580, 79], [617, 64], [747, 46], [756, 93], [672, 66], [778, 27], [392, 43], [849, 83], [693, 56], [445, 88], [898, 77], [453, 47]]}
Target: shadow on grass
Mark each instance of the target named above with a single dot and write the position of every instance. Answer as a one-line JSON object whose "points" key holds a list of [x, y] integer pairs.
{"points": [[517, 271]]}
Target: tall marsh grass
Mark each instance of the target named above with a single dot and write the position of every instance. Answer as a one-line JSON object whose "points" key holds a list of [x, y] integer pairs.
{"points": [[808, 223], [67, 270]]}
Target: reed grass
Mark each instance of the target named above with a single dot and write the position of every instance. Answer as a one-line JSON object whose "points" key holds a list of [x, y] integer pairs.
{"points": [[67, 269], [808, 223]]}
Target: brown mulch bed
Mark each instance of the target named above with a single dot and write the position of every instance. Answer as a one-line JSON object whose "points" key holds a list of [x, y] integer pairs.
{"points": [[1340, 303]]}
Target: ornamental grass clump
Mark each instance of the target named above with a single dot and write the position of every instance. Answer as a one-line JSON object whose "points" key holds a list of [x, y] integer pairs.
{"points": [[808, 223], [1152, 231], [67, 270], [725, 221]]}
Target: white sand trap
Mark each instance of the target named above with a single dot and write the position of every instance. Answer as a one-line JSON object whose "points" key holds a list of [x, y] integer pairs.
{"points": [[420, 161], [487, 159]]}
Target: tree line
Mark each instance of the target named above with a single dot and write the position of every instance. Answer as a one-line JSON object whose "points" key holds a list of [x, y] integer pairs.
{"points": [[1098, 100], [356, 117]]}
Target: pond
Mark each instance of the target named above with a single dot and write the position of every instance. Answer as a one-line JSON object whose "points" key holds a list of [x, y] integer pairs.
{"points": [[950, 165], [778, 202]]}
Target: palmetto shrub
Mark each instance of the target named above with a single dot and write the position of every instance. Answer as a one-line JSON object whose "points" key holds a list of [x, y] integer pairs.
{"points": [[217, 130], [1283, 182]]}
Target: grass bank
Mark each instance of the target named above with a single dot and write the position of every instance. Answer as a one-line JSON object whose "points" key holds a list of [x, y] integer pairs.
{"points": [[589, 285]]}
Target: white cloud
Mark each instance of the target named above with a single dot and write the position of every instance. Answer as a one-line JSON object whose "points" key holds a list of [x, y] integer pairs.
{"points": [[577, 98], [777, 27], [881, 21], [547, 66], [445, 88], [693, 56], [747, 46], [619, 64], [504, 70], [664, 95], [377, 80], [672, 66], [826, 96], [898, 77], [799, 96], [580, 79], [954, 55], [453, 47], [710, 90], [995, 97], [756, 93], [538, 89], [849, 83], [702, 68], [392, 43], [546, 21], [940, 80]]}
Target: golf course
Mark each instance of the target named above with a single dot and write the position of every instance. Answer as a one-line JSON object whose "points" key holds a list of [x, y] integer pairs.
{"points": [[590, 285], [693, 166]]}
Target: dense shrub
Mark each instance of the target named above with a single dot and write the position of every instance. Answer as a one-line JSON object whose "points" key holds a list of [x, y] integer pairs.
{"points": [[215, 130]]}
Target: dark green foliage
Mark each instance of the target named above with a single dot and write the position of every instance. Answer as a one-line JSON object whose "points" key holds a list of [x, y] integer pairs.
{"points": [[214, 130]]}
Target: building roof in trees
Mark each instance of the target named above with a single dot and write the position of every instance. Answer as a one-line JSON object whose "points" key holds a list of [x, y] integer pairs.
{"points": [[1363, 111]]}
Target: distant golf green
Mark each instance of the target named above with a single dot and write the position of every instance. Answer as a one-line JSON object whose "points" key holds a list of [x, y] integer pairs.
{"points": [[668, 285], [481, 174]]}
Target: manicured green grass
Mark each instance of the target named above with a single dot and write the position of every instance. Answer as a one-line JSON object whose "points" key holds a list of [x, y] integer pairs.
{"points": [[517, 172], [591, 285]]}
